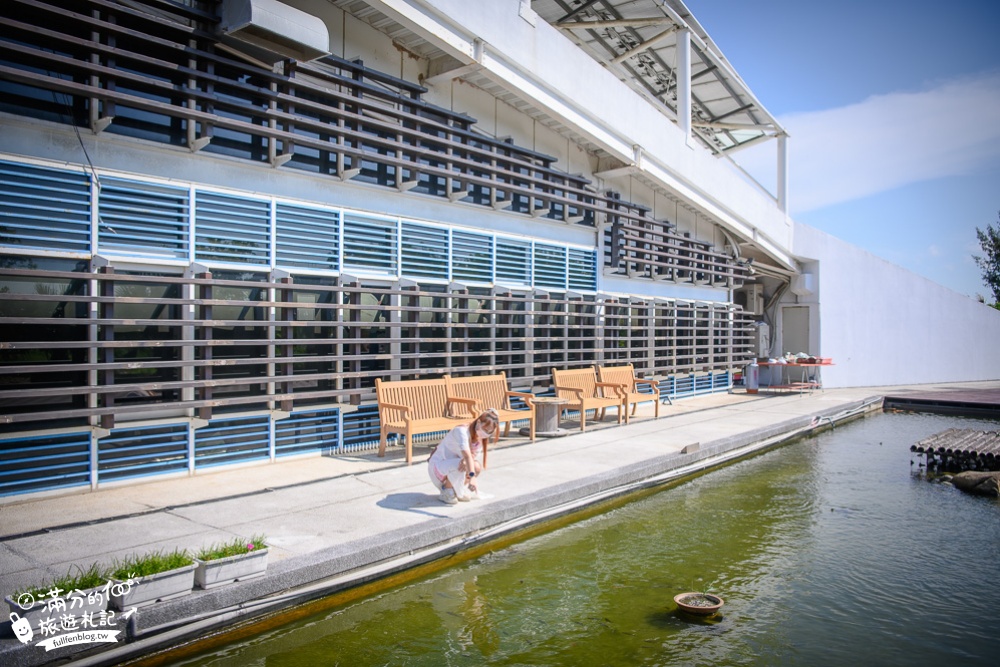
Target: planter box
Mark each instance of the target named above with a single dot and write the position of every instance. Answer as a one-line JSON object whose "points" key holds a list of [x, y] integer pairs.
{"points": [[212, 573], [153, 588], [91, 601]]}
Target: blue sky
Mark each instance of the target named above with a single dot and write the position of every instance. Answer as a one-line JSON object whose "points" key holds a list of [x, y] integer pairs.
{"points": [[893, 112]]}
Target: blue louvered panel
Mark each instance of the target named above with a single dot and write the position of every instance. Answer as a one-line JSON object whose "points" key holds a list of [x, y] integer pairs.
{"points": [[721, 381], [425, 251], [232, 441], [41, 463], [471, 257], [304, 432], [232, 229], [702, 383], [513, 264], [370, 243], [361, 429], [667, 387], [143, 451], [143, 219], [44, 208], [582, 269], [550, 266], [684, 385], [307, 237]]}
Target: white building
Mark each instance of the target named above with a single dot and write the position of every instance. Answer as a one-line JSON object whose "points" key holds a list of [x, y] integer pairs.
{"points": [[247, 210]]}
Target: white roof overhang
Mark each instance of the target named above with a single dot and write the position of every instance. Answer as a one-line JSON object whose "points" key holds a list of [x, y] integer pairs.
{"points": [[637, 37]]}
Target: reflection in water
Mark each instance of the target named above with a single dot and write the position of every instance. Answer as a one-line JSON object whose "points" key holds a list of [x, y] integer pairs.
{"points": [[828, 551], [478, 629]]}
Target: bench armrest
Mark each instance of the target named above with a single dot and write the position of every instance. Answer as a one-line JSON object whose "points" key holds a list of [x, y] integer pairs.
{"points": [[649, 383], [471, 404], [578, 392], [523, 395], [619, 388], [394, 406], [528, 398], [468, 401]]}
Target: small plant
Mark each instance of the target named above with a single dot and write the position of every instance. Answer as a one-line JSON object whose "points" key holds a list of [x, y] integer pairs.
{"points": [[93, 577], [136, 566], [235, 547]]}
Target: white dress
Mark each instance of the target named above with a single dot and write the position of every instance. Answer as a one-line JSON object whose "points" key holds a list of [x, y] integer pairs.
{"points": [[447, 457]]}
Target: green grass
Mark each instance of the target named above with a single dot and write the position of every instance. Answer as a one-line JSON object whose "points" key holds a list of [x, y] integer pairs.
{"points": [[93, 577], [135, 566], [233, 547], [139, 565]]}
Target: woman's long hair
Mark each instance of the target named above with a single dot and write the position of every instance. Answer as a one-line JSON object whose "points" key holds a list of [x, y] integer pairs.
{"points": [[488, 420]]}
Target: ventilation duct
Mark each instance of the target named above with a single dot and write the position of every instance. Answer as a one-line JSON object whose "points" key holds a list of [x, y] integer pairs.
{"points": [[803, 284], [275, 27]]}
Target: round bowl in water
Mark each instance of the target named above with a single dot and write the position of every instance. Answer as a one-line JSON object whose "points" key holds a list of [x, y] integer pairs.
{"points": [[703, 604]]}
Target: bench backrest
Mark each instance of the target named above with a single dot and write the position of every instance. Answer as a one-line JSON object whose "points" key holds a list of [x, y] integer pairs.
{"points": [[579, 378], [618, 375], [428, 398], [489, 390]]}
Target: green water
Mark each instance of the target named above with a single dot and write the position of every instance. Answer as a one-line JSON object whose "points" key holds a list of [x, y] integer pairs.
{"points": [[830, 551]]}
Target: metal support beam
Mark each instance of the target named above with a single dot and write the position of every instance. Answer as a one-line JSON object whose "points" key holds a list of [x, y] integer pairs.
{"points": [[614, 23], [734, 126], [783, 172], [655, 39], [478, 49], [684, 83], [450, 75]]}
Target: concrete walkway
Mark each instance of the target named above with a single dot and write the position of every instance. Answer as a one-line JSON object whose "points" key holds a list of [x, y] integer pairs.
{"points": [[335, 522]]}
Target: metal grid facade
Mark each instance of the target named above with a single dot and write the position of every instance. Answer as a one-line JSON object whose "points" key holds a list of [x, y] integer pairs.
{"points": [[153, 327]]}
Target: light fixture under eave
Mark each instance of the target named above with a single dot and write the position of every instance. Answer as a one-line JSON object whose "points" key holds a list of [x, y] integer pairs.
{"points": [[275, 28], [746, 263]]}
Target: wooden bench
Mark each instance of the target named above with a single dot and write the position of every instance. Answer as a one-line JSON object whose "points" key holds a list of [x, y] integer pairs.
{"points": [[415, 407], [625, 377], [490, 391], [584, 392]]}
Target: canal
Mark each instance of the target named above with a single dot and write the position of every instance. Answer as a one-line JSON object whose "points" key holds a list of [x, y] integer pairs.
{"points": [[829, 551]]}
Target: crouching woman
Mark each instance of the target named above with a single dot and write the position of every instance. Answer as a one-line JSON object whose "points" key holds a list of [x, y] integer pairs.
{"points": [[454, 464]]}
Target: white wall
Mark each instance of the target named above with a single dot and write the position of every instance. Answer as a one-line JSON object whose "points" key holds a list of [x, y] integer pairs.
{"points": [[884, 325]]}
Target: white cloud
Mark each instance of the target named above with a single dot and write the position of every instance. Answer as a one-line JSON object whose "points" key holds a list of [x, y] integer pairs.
{"points": [[888, 141]]}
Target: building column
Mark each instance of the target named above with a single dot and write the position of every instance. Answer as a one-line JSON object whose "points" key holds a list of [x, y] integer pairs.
{"points": [[783, 172], [683, 73]]}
